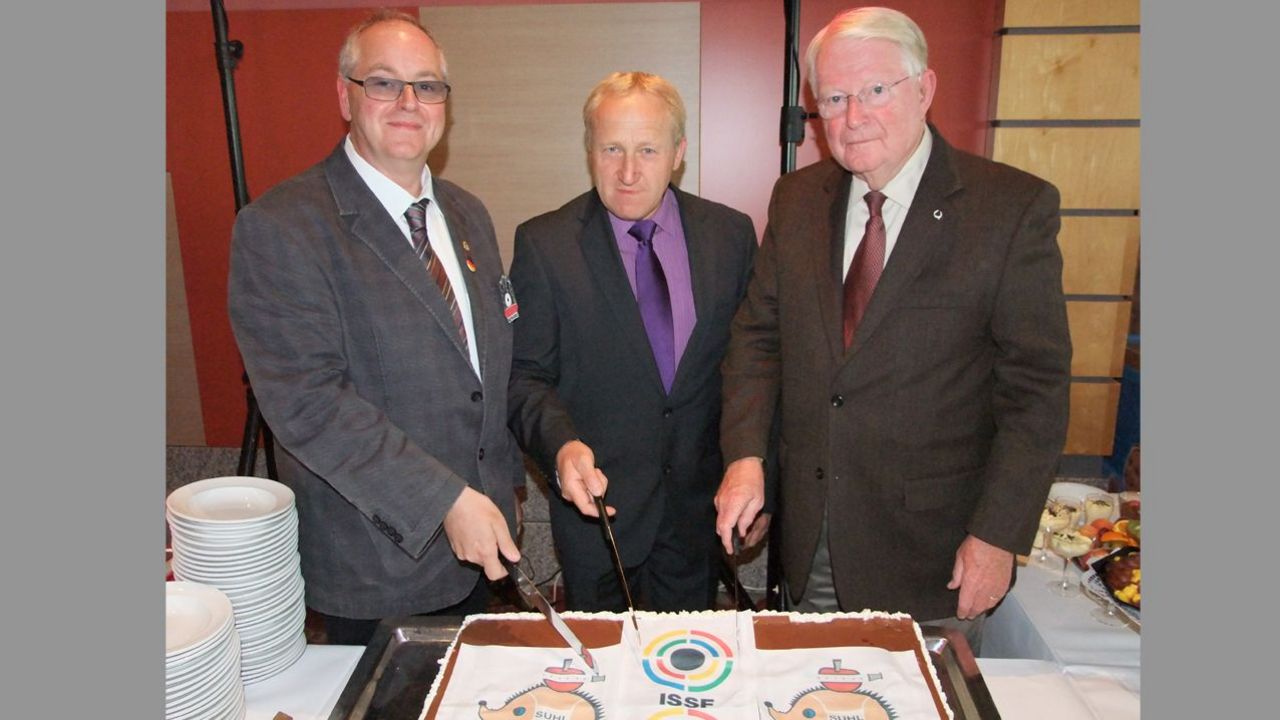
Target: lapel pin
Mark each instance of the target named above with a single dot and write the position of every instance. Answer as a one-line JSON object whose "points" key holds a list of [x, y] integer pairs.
{"points": [[937, 214], [466, 250]]}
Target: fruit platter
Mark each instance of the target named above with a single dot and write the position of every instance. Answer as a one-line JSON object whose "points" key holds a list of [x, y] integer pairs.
{"points": [[1113, 567]]}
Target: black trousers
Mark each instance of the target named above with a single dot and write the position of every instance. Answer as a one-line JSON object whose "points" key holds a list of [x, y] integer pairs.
{"points": [[672, 578]]}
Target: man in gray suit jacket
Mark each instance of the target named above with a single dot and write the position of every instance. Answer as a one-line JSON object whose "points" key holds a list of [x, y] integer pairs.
{"points": [[608, 394], [906, 312], [365, 299]]}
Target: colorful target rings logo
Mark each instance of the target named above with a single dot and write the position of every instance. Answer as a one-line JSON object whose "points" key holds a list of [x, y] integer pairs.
{"points": [[688, 660]]}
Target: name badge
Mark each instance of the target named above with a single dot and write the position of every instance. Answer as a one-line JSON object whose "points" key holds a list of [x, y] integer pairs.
{"points": [[510, 308]]}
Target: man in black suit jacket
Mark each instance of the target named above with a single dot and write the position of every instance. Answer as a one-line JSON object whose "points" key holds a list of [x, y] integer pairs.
{"points": [[385, 387], [589, 398], [922, 415]]}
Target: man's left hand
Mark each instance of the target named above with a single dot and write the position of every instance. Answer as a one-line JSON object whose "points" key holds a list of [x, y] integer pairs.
{"points": [[982, 572]]}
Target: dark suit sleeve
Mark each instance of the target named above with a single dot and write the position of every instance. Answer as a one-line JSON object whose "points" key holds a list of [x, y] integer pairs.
{"points": [[751, 368], [290, 335], [536, 415], [1032, 378]]}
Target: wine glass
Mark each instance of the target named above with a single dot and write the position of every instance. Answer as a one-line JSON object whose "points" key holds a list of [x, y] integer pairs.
{"points": [[1067, 543], [1055, 516], [1107, 615], [1098, 506]]}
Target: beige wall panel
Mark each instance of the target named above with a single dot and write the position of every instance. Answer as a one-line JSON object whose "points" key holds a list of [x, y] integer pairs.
{"points": [[1098, 333], [1069, 77], [184, 422], [1053, 13], [520, 74], [1099, 255], [1091, 429], [1093, 167]]}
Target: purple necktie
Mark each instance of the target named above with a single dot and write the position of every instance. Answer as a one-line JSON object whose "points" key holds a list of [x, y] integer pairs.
{"points": [[655, 301], [864, 271]]}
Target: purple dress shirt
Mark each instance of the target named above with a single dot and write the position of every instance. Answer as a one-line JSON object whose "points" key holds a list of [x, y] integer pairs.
{"points": [[669, 244]]}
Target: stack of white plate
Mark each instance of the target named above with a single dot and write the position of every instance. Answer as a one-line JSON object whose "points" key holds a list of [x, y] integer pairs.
{"points": [[240, 535], [201, 655]]}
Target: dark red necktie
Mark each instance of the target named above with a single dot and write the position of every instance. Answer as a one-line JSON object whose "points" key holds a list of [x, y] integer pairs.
{"points": [[864, 271]]}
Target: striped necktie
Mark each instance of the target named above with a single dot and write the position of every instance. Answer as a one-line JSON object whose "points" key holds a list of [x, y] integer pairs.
{"points": [[417, 217]]}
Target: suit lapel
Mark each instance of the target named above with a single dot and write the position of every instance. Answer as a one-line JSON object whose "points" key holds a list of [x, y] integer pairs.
{"points": [[600, 251], [460, 236], [920, 237], [825, 246], [702, 278], [368, 222]]}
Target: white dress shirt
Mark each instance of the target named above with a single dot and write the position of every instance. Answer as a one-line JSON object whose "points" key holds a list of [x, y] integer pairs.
{"points": [[898, 194], [397, 200]]}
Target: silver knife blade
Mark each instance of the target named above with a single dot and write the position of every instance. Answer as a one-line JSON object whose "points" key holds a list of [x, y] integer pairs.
{"points": [[535, 598], [617, 559]]}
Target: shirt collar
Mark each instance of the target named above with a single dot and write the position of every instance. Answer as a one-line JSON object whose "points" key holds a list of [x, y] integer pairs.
{"points": [[902, 188], [666, 217], [393, 197]]}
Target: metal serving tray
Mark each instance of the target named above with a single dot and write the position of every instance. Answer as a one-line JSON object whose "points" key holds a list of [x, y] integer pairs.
{"points": [[395, 672]]}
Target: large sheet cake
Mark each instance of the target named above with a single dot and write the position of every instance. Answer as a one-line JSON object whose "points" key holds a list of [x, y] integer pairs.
{"points": [[707, 665]]}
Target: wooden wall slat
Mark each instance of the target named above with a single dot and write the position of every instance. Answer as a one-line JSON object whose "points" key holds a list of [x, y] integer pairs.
{"points": [[1071, 77], [1051, 13], [520, 74], [1093, 167], [1098, 332], [1091, 429], [1099, 255]]}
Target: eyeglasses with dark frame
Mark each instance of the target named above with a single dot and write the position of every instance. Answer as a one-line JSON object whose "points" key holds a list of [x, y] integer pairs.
{"points": [[872, 95], [430, 92]]}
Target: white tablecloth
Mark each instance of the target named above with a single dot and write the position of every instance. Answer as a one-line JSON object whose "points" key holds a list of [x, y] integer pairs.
{"points": [[1022, 689], [1034, 623]]}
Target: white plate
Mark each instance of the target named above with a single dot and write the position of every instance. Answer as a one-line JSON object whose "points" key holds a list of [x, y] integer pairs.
{"points": [[287, 658], [230, 532], [229, 500], [193, 614]]}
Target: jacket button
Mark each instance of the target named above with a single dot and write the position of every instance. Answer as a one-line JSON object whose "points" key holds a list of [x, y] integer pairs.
{"points": [[837, 400], [377, 521], [666, 469], [398, 538], [819, 474], [477, 396], [480, 454], [666, 412]]}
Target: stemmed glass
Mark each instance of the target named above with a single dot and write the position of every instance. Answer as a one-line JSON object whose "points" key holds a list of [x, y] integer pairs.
{"points": [[1098, 506], [1057, 515], [1068, 544], [1106, 614]]}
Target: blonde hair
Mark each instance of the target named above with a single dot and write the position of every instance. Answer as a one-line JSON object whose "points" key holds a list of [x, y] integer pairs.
{"points": [[621, 84]]}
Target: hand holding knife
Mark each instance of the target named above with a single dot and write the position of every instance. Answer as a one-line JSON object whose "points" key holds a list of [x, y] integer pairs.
{"points": [[535, 598], [617, 558]]}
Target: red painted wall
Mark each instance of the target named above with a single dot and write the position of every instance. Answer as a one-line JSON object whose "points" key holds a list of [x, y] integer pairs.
{"points": [[289, 121]]}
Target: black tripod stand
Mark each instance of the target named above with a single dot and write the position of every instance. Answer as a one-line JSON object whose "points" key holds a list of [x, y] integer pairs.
{"points": [[228, 53]]}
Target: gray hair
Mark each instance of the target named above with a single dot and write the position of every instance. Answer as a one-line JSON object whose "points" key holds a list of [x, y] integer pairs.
{"points": [[621, 84], [872, 23], [349, 55]]}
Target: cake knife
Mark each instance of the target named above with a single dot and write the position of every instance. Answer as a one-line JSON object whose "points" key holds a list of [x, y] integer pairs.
{"points": [[617, 559], [535, 598]]}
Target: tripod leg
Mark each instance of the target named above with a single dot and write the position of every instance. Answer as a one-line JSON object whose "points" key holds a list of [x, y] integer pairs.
{"points": [[249, 442], [269, 448]]}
